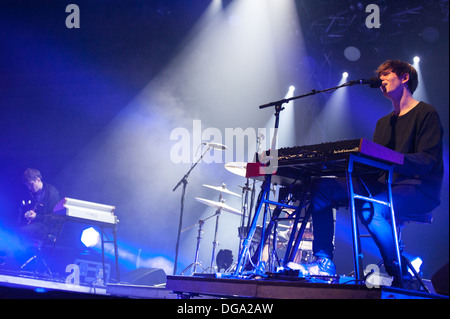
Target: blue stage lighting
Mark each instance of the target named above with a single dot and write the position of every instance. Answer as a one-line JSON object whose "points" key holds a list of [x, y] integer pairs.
{"points": [[90, 237], [40, 290], [416, 59], [416, 263]]}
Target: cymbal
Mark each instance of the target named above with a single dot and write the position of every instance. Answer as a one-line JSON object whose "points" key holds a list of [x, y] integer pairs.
{"points": [[218, 205], [223, 189], [238, 168]]}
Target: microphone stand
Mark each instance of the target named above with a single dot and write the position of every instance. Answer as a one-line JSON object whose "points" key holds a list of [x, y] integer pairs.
{"points": [[265, 188], [184, 181], [278, 104]]}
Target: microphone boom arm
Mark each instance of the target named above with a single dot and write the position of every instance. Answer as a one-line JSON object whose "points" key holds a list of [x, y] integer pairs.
{"points": [[313, 92]]}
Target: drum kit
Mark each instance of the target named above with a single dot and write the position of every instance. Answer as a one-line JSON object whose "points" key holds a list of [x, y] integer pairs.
{"points": [[247, 201], [220, 206]]}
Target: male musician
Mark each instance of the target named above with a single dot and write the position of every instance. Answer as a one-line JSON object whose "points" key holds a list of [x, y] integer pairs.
{"points": [[414, 129], [44, 198]]}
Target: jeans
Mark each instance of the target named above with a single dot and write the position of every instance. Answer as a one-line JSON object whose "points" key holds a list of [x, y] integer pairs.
{"points": [[329, 193]]}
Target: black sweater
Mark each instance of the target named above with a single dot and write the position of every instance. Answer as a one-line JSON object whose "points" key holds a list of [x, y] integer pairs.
{"points": [[44, 207], [418, 135]]}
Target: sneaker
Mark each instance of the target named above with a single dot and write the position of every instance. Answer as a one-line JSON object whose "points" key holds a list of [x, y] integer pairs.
{"points": [[321, 266]]}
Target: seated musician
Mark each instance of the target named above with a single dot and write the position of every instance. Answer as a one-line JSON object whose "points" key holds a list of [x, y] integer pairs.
{"points": [[39, 211], [414, 129]]}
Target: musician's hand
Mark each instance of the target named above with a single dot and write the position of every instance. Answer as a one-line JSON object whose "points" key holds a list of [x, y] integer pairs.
{"points": [[30, 215]]}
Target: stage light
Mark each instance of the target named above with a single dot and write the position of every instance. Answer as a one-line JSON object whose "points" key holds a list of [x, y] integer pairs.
{"points": [[335, 112], [90, 237], [416, 263], [290, 92], [40, 290], [421, 92]]}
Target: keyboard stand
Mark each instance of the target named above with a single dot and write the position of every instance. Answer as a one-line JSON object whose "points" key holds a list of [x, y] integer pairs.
{"points": [[357, 253]]}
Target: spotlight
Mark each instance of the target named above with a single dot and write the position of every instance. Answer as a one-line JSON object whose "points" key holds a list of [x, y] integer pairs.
{"points": [[345, 75], [290, 92], [90, 237], [416, 263], [416, 59]]}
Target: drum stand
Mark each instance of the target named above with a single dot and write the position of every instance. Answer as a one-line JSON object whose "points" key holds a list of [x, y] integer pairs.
{"points": [[199, 238], [211, 268]]}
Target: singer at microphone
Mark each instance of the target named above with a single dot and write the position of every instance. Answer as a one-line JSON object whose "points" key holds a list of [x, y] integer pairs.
{"points": [[216, 146], [412, 128]]}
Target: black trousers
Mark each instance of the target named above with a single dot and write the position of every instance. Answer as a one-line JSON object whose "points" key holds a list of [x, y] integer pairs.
{"points": [[329, 193]]}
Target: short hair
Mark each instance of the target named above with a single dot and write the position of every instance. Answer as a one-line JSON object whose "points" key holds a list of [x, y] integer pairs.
{"points": [[31, 174], [400, 68]]}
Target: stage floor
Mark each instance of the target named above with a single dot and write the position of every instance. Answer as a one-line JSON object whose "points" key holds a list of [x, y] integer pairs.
{"points": [[18, 285], [286, 289], [25, 285], [22, 285]]}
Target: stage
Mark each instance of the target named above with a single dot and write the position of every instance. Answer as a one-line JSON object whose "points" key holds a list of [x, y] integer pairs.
{"points": [[18, 286], [286, 289]]}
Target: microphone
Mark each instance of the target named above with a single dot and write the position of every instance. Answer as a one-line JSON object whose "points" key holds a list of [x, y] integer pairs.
{"points": [[216, 146], [374, 82]]}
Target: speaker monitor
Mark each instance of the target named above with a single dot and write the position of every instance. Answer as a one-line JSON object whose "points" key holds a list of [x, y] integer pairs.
{"points": [[145, 277], [440, 280]]}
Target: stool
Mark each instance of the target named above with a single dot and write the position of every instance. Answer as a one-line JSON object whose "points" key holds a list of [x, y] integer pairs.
{"points": [[45, 244], [401, 221], [39, 259]]}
